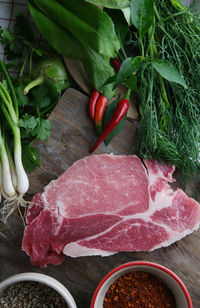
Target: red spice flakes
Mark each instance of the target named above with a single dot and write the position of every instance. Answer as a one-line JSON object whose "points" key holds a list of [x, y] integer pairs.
{"points": [[139, 290]]}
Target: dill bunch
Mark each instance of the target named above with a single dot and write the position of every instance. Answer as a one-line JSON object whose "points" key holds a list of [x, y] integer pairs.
{"points": [[169, 128]]}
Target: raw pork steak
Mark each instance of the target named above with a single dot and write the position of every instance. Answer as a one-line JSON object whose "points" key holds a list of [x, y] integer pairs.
{"points": [[104, 204]]}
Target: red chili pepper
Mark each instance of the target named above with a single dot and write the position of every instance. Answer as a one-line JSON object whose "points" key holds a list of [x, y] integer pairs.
{"points": [[99, 112], [120, 112], [92, 103], [116, 64]]}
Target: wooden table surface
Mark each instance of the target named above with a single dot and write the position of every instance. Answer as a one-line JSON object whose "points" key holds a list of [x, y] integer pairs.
{"points": [[72, 135]]}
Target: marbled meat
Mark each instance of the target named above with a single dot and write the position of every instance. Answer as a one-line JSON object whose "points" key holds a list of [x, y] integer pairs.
{"points": [[104, 204]]}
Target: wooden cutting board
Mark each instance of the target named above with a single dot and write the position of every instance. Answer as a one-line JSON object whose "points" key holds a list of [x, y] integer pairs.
{"points": [[71, 137]]}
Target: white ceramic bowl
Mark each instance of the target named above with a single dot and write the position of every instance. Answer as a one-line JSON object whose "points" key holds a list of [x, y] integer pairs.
{"points": [[51, 282], [179, 290]]}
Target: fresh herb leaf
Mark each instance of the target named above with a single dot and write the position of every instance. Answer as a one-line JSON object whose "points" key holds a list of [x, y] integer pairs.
{"points": [[30, 157], [168, 71], [42, 129], [22, 99], [12, 49], [132, 83], [22, 28], [7, 36], [110, 80], [142, 15], [28, 122], [41, 97], [129, 66], [20, 42]]}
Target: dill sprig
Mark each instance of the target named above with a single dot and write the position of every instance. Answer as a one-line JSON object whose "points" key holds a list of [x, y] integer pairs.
{"points": [[169, 128]]}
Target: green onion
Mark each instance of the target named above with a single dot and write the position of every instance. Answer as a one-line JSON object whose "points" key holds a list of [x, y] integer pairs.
{"points": [[14, 181]]}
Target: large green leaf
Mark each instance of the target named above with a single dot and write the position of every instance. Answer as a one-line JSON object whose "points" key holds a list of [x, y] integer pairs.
{"points": [[127, 15], [97, 67], [60, 39], [112, 4], [142, 15], [128, 67], [132, 83], [167, 70], [121, 25], [88, 23]]}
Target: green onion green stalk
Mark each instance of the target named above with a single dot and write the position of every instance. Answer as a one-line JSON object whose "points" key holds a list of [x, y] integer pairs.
{"points": [[14, 181]]}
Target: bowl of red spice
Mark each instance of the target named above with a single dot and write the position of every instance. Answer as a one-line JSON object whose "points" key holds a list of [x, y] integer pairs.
{"points": [[141, 284]]}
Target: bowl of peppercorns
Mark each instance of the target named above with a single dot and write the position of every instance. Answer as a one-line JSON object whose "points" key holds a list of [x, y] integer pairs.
{"points": [[34, 290], [141, 284]]}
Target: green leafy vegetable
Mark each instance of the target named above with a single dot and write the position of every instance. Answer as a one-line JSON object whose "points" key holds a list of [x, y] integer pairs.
{"points": [[28, 122], [121, 25], [40, 97], [33, 122], [142, 15], [168, 71], [22, 99], [33, 109], [132, 83], [42, 129], [114, 4], [81, 18], [96, 66], [165, 78], [60, 39], [22, 29], [20, 42], [160, 55], [11, 49], [127, 15], [129, 66], [30, 157], [168, 89]]}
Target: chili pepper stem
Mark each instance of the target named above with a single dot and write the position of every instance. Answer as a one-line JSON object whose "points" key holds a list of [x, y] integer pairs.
{"points": [[99, 129], [128, 93]]}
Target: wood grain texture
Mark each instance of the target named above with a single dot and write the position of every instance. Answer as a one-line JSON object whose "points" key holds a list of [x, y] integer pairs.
{"points": [[72, 135]]}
